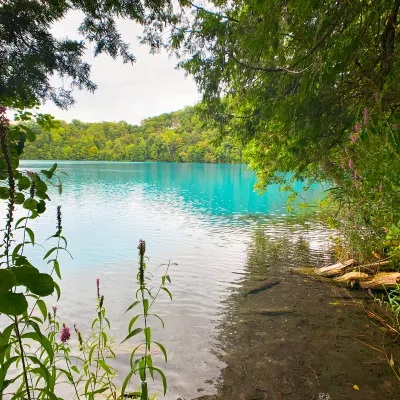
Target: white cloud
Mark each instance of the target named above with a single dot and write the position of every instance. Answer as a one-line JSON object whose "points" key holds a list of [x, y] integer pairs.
{"points": [[149, 87]]}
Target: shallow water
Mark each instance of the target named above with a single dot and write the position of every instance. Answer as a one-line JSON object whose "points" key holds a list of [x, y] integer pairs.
{"points": [[202, 217]]}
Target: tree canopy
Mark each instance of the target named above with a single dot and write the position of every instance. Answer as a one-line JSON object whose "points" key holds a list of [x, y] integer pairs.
{"points": [[30, 54], [175, 137]]}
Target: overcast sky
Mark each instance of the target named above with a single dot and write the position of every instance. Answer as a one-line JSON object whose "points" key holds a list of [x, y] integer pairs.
{"points": [[127, 92]]}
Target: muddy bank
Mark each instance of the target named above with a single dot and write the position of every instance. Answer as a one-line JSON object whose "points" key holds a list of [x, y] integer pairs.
{"points": [[322, 349]]}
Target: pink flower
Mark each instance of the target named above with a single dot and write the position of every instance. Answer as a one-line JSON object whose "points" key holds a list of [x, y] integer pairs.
{"points": [[353, 137], [4, 121], [366, 116], [351, 164], [376, 96], [369, 292], [54, 310], [65, 334], [98, 287], [357, 126], [342, 165], [346, 150]]}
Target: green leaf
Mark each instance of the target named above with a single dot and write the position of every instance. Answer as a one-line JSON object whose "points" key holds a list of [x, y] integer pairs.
{"points": [[41, 207], [30, 204], [57, 290], [161, 320], [166, 290], [125, 384], [7, 280], [31, 235], [164, 380], [133, 333], [75, 369], [12, 303], [19, 198], [147, 334], [162, 348], [135, 303], [4, 193], [42, 340], [24, 274], [146, 306], [56, 267], [132, 321], [42, 285], [106, 368], [43, 308], [24, 183]]}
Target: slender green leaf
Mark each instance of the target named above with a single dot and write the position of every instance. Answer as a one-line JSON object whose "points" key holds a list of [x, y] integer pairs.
{"points": [[162, 348], [133, 333]]}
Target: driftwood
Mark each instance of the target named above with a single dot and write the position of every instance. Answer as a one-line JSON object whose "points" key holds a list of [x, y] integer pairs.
{"points": [[383, 280], [262, 286], [373, 267], [336, 269], [352, 276]]}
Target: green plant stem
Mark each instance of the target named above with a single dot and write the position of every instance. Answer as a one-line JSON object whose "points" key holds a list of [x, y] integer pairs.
{"points": [[69, 370], [22, 359], [11, 184], [159, 289], [145, 329]]}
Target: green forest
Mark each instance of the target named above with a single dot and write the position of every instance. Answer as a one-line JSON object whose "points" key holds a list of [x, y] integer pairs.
{"points": [[174, 137]]}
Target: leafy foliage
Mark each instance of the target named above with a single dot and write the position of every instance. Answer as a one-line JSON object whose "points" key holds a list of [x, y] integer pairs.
{"points": [[31, 54], [298, 81], [176, 137]]}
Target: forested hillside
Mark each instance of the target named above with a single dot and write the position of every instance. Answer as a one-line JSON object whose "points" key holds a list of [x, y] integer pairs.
{"points": [[176, 137]]}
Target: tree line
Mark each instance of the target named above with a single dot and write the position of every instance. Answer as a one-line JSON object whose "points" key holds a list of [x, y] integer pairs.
{"points": [[179, 136]]}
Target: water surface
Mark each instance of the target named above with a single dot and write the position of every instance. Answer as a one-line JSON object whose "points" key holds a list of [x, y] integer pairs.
{"points": [[201, 216]]}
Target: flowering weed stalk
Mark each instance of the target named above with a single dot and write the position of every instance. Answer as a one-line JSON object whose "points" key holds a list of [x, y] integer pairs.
{"points": [[145, 298]]}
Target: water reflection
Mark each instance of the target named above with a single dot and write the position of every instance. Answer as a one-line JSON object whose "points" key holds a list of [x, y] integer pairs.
{"points": [[201, 216]]}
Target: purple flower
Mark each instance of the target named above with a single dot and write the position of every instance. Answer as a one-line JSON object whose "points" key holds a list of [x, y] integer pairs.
{"points": [[142, 247], [98, 287], [366, 116], [357, 126], [65, 334], [351, 164], [353, 137], [54, 310]]}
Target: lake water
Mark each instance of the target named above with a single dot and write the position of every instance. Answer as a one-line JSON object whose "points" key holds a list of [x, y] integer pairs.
{"points": [[201, 216]]}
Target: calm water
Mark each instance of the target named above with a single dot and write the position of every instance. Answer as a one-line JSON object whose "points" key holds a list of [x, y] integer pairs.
{"points": [[200, 216]]}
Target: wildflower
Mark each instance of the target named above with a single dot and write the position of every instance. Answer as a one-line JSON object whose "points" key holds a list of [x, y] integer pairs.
{"points": [[366, 116], [65, 334], [357, 126], [98, 287], [342, 164], [142, 247], [356, 185], [59, 218], [346, 150], [351, 164], [381, 187], [376, 96], [353, 137], [4, 121], [101, 301], [54, 310]]}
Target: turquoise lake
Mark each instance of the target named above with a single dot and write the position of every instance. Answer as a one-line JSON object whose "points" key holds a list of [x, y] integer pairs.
{"points": [[200, 216]]}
